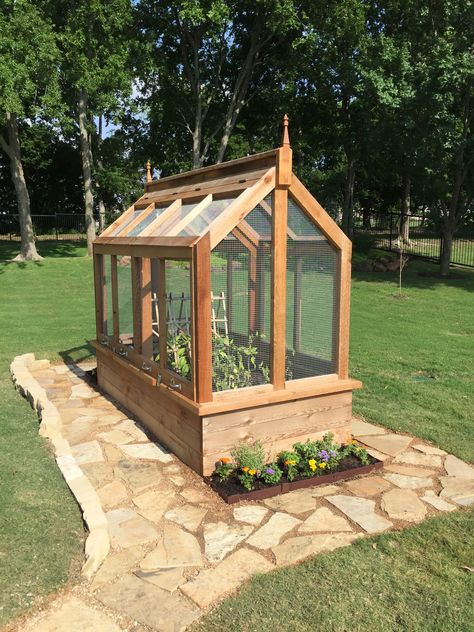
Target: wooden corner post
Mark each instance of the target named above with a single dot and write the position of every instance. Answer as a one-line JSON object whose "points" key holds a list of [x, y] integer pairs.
{"points": [[100, 296], [202, 331], [279, 246], [343, 303]]}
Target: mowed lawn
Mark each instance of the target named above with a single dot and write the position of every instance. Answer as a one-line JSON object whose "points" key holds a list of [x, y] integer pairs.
{"points": [[415, 359]]}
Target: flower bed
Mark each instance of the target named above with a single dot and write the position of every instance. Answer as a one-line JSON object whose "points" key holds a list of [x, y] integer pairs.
{"points": [[246, 476]]}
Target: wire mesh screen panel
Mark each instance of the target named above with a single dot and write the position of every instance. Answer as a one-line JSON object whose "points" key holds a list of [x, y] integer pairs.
{"points": [[108, 308], [240, 302], [311, 314], [125, 302], [178, 318]]}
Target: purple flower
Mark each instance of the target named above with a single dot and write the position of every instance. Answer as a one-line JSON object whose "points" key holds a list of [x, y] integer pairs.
{"points": [[323, 455], [269, 471], [332, 453]]}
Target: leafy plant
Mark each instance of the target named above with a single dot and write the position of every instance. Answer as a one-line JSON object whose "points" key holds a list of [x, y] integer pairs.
{"points": [[234, 365], [358, 451], [289, 461], [249, 455], [179, 353], [271, 474], [224, 469]]}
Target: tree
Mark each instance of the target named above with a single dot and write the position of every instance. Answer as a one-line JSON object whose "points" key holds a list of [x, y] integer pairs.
{"points": [[95, 37], [203, 61], [28, 88]]}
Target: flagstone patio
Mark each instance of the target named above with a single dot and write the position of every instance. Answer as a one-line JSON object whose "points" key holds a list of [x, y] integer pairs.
{"points": [[163, 547]]}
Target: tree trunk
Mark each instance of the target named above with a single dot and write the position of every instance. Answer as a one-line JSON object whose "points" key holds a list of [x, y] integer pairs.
{"points": [[100, 202], [405, 211], [28, 250], [348, 207], [447, 249], [86, 155]]}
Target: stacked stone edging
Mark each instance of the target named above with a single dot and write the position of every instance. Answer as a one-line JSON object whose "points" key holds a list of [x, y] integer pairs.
{"points": [[97, 544]]}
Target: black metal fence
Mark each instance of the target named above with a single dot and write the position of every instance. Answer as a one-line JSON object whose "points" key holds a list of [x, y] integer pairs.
{"points": [[417, 235], [53, 227], [383, 230]]}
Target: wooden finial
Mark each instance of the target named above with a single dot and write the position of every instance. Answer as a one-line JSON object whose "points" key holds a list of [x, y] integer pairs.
{"points": [[286, 136], [148, 171]]}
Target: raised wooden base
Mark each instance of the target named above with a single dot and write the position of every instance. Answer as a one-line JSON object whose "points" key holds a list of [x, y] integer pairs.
{"points": [[200, 439]]}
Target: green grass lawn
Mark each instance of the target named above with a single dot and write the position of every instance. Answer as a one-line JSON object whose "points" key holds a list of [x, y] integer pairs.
{"points": [[408, 581]]}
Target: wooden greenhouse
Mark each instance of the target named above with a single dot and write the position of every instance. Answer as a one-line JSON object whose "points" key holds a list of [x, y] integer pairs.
{"points": [[222, 310]]}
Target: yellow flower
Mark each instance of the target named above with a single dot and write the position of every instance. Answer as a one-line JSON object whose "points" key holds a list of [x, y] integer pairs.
{"points": [[322, 465], [312, 464], [252, 472], [290, 462], [245, 469], [354, 442]]}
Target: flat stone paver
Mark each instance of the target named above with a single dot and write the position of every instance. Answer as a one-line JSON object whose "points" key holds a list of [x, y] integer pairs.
{"points": [[72, 615], [403, 504], [297, 502], [117, 564], [459, 490], [368, 486], [99, 474], [88, 452], [221, 538], [198, 496], [391, 444], [176, 548], [299, 548], [251, 514], [323, 519], [130, 427], [115, 436], [148, 604], [428, 449], [188, 516], [212, 584], [138, 476], [361, 511], [271, 533], [409, 470], [456, 467], [112, 494], [408, 482], [153, 504], [147, 451], [418, 458], [435, 501], [129, 529], [362, 428], [167, 578]]}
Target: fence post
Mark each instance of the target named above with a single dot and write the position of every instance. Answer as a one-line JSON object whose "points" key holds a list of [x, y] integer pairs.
{"points": [[56, 225], [390, 247]]}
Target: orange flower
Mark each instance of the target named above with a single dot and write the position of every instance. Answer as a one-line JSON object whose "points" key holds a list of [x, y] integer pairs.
{"points": [[245, 469], [224, 459]]}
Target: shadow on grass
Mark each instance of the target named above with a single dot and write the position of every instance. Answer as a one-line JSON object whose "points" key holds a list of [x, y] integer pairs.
{"points": [[54, 249], [76, 355], [421, 275]]}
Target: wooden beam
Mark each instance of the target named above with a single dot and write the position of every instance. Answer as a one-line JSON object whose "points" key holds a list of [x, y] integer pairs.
{"points": [[137, 220], [324, 222], [146, 310], [148, 241], [239, 208], [229, 274], [297, 282], [183, 223], [100, 295], [278, 335], [157, 252], [233, 167], [232, 189], [202, 331], [163, 327], [137, 303], [284, 169], [115, 301], [342, 315]]}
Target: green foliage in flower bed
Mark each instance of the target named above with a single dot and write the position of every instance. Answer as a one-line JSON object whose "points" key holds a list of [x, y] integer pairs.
{"points": [[312, 458]]}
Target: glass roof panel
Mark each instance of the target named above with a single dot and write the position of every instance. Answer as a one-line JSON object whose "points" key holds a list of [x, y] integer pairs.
{"points": [[146, 221], [199, 224], [120, 228], [299, 224], [168, 224]]}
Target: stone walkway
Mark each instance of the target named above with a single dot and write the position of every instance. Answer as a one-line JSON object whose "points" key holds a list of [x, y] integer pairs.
{"points": [[163, 547]]}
